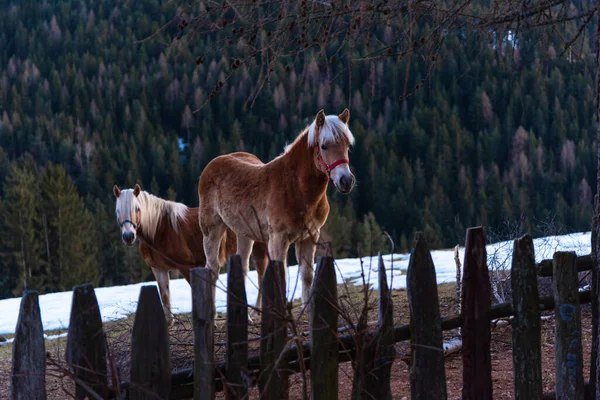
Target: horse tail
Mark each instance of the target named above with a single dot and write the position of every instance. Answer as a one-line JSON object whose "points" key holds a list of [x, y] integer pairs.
{"points": [[228, 246]]}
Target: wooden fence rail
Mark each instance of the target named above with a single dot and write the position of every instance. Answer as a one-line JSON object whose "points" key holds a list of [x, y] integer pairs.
{"points": [[280, 355], [583, 263], [347, 346]]}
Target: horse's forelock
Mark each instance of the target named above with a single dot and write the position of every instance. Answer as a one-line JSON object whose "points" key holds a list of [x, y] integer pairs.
{"points": [[124, 198], [334, 130]]}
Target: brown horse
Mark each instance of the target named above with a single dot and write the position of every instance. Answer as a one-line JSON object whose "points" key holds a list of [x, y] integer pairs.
{"points": [[280, 202], [170, 238]]}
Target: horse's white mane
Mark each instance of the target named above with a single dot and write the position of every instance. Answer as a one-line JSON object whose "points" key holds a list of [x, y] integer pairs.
{"points": [[333, 131], [153, 209]]}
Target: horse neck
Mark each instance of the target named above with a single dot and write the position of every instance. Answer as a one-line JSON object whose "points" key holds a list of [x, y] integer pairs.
{"points": [[159, 217], [311, 182]]}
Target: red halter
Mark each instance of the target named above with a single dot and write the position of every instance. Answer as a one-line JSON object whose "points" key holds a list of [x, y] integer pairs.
{"points": [[330, 167]]}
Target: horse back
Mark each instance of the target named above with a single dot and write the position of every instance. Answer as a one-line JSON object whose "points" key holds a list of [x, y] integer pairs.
{"points": [[245, 157], [232, 176]]}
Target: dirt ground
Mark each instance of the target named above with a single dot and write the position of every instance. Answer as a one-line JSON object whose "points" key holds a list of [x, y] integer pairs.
{"points": [[118, 334]]}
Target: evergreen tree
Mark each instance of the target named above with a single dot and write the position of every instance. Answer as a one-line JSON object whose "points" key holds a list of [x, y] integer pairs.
{"points": [[72, 251], [111, 249], [371, 239], [22, 250], [77, 92]]}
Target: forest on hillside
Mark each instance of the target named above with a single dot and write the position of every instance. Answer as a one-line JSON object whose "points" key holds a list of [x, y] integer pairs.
{"points": [[501, 134]]}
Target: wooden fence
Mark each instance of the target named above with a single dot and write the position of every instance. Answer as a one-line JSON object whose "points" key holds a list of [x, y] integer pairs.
{"points": [[282, 354]]}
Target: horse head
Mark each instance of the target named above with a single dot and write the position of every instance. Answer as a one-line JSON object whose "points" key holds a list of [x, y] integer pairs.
{"points": [[331, 139], [128, 213]]}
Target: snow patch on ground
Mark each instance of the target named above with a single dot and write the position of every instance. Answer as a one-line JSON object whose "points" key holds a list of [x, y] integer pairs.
{"points": [[119, 301]]}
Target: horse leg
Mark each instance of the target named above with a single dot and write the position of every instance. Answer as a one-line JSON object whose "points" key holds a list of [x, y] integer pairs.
{"points": [[162, 278], [244, 248], [213, 234], [305, 253], [278, 248], [261, 259]]}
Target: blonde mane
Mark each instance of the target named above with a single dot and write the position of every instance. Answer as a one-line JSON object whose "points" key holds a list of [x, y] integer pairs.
{"points": [[153, 209], [333, 131]]}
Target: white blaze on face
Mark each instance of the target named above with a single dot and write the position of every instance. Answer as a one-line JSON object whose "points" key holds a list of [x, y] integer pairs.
{"points": [[125, 210], [342, 177]]}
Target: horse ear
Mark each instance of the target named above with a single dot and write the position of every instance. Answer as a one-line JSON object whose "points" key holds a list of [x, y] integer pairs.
{"points": [[116, 191], [136, 190], [320, 119], [345, 116]]}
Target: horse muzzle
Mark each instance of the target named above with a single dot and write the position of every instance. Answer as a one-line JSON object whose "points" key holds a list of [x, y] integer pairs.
{"points": [[128, 238], [346, 183]]}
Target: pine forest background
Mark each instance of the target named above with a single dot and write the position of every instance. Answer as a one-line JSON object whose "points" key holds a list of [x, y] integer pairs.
{"points": [[502, 134]]}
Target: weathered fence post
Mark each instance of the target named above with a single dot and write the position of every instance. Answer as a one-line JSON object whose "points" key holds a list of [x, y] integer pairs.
{"points": [[237, 331], [526, 329], [427, 372], [323, 333], [375, 355], [203, 298], [567, 338], [591, 392], [384, 350], [476, 334], [86, 343], [150, 352], [273, 383], [28, 375]]}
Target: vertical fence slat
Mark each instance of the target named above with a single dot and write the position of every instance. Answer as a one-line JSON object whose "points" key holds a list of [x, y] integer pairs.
{"points": [[237, 331], [375, 352], [591, 392], [150, 352], [28, 375], [384, 346], [323, 333], [427, 373], [86, 342], [273, 383], [476, 334], [203, 320], [526, 327], [567, 338]]}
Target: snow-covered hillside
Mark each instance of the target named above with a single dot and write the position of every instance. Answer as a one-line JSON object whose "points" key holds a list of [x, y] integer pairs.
{"points": [[118, 301]]}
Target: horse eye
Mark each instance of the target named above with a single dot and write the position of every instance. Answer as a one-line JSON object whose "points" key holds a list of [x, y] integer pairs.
{"points": [[137, 209], [323, 147]]}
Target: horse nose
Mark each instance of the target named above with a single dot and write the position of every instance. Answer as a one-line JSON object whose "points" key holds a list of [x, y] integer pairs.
{"points": [[128, 237], [347, 182]]}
